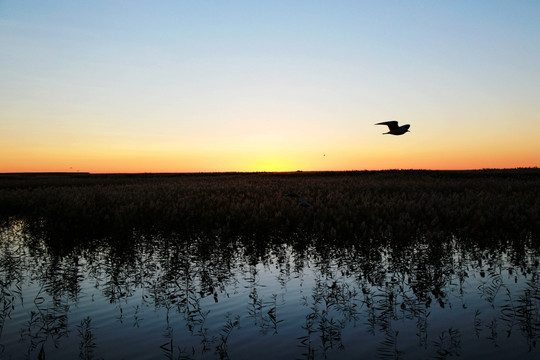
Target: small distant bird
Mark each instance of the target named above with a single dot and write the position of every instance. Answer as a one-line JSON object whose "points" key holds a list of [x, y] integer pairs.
{"points": [[303, 201], [394, 128]]}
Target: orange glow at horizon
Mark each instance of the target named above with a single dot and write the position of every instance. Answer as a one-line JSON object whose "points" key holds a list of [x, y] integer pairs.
{"points": [[337, 158]]}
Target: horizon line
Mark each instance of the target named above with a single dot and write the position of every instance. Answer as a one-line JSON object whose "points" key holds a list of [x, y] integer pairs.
{"points": [[255, 172]]}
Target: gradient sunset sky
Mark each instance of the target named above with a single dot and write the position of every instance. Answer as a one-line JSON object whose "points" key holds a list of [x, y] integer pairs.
{"points": [[190, 86]]}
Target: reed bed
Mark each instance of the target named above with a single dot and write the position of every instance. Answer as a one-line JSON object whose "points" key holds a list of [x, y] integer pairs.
{"points": [[346, 206]]}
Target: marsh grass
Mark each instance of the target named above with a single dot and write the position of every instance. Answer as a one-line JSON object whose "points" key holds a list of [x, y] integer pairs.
{"points": [[348, 206]]}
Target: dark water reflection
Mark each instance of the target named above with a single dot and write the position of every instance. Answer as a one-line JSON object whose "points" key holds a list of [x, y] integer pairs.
{"points": [[191, 298]]}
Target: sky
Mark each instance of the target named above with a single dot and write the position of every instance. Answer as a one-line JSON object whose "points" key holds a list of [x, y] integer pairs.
{"points": [[213, 86]]}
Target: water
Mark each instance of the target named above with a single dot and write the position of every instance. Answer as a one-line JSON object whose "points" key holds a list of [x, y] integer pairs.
{"points": [[172, 297]]}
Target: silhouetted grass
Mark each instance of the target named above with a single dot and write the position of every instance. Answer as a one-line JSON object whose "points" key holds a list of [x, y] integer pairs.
{"points": [[350, 206]]}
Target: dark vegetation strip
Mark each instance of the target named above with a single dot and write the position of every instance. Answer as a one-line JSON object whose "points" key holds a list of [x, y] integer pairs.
{"points": [[347, 206]]}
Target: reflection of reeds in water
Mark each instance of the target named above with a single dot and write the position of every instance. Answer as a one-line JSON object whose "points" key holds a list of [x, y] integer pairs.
{"points": [[490, 288], [375, 288], [523, 313], [448, 344], [331, 307], [264, 314], [88, 342], [388, 348], [11, 256], [477, 323], [48, 322], [225, 332]]}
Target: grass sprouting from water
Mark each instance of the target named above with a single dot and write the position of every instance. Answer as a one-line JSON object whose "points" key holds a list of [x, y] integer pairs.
{"points": [[346, 206]]}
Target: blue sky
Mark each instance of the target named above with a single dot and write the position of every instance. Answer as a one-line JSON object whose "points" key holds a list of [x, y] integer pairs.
{"points": [[255, 85]]}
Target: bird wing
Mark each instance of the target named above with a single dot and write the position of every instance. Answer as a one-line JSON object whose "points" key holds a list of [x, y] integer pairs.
{"points": [[391, 124]]}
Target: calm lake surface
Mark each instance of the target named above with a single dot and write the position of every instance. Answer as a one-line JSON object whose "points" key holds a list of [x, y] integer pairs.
{"points": [[172, 297]]}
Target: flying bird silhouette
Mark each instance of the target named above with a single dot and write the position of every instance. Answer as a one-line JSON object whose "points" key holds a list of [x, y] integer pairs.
{"points": [[394, 128]]}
